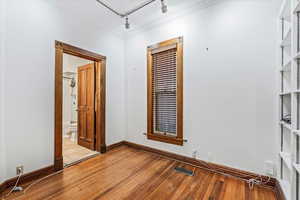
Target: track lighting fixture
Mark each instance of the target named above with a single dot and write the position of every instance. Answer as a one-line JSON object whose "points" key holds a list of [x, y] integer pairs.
{"points": [[127, 25], [164, 9]]}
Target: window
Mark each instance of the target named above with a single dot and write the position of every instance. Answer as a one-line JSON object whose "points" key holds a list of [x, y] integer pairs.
{"points": [[165, 91]]}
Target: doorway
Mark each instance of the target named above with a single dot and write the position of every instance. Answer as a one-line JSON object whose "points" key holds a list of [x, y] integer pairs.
{"points": [[79, 104], [78, 109]]}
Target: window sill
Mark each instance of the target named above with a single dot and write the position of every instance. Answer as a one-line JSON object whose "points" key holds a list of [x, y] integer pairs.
{"points": [[166, 139]]}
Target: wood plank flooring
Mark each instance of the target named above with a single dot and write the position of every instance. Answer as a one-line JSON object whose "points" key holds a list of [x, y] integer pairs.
{"points": [[130, 174]]}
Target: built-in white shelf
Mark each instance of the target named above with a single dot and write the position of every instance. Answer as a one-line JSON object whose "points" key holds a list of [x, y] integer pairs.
{"points": [[297, 9], [286, 157], [285, 12], [289, 93], [286, 66], [287, 39], [297, 56], [286, 187], [297, 132], [285, 93], [286, 125], [297, 167]]}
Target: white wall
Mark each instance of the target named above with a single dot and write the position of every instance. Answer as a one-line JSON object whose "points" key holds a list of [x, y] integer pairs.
{"points": [[229, 89], [2, 63], [32, 28]]}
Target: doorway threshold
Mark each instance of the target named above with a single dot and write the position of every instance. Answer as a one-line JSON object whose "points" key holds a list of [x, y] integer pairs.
{"points": [[66, 165]]}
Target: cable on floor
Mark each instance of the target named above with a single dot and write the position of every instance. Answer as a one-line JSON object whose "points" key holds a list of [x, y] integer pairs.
{"points": [[15, 186], [251, 182], [29, 186]]}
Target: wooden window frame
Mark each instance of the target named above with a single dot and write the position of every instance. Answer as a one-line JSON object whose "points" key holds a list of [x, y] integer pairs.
{"points": [[178, 140], [100, 94]]}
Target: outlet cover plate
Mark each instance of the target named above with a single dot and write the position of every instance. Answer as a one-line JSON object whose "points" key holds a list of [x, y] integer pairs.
{"points": [[19, 170]]}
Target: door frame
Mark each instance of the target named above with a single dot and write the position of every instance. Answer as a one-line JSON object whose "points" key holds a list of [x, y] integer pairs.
{"points": [[100, 96]]}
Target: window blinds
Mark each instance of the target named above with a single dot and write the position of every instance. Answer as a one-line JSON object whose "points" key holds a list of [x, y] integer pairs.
{"points": [[164, 65]]}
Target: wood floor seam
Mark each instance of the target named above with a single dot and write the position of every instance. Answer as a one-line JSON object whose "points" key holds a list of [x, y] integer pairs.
{"points": [[134, 173]]}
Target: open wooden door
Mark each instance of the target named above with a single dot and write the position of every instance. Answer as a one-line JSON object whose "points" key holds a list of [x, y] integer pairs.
{"points": [[86, 106]]}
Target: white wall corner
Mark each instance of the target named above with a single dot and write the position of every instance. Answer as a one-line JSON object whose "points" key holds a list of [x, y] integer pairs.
{"points": [[2, 71]]}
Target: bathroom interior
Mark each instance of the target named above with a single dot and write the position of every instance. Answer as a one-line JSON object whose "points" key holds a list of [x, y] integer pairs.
{"points": [[73, 151]]}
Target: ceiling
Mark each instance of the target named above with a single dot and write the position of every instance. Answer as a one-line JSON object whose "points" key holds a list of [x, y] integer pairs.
{"points": [[123, 5], [91, 13]]}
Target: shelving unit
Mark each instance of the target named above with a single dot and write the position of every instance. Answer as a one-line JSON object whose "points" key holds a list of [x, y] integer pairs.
{"points": [[286, 187], [286, 157], [297, 8], [297, 167], [285, 10], [296, 132], [285, 93], [287, 38], [289, 98], [286, 66], [286, 125]]}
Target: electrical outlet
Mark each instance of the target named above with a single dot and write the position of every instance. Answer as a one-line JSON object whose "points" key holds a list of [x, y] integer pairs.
{"points": [[195, 154], [19, 170]]}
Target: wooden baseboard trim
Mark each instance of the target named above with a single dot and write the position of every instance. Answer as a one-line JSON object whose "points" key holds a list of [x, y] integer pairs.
{"points": [[115, 145], [279, 192], [34, 175], [205, 165], [103, 149], [2, 188], [58, 164]]}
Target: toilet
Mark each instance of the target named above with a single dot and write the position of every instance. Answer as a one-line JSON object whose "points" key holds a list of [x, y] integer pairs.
{"points": [[72, 129]]}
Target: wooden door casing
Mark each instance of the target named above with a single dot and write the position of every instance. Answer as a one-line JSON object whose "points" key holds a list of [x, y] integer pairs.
{"points": [[86, 106], [100, 102]]}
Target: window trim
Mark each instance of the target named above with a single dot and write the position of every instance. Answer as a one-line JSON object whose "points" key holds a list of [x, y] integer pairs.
{"points": [[178, 140]]}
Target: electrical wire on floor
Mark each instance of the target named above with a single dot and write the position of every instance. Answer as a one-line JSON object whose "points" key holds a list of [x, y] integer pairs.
{"points": [[254, 181], [29, 186], [37, 181], [251, 181], [15, 188]]}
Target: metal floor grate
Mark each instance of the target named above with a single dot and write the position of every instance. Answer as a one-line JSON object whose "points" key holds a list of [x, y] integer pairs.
{"points": [[185, 171]]}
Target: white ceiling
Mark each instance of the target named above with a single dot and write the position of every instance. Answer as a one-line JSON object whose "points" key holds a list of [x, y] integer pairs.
{"points": [[91, 13], [123, 5]]}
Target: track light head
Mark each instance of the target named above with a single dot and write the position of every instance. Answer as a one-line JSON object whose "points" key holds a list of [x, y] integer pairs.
{"points": [[164, 7], [127, 25]]}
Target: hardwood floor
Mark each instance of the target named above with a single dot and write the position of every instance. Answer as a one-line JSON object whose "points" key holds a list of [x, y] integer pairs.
{"points": [[127, 173]]}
